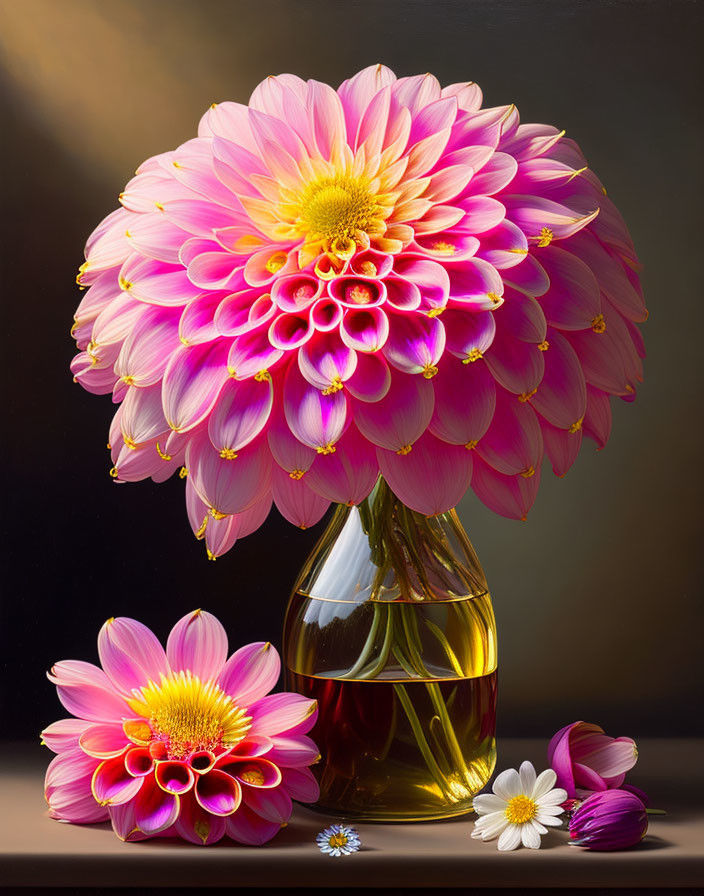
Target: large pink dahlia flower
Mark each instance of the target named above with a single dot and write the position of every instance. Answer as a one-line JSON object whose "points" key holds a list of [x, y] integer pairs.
{"points": [[325, 285], [181, 742]]}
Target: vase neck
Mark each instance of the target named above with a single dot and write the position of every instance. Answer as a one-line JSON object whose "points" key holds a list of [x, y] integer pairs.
{"points": [[382, 550]]}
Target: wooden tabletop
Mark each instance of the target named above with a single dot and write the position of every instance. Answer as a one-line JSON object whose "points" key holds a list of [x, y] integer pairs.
{"points": [[36, 851]]}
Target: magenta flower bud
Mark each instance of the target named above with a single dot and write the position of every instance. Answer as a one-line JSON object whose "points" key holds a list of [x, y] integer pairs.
{"points": [[586, 760], [613, 819]]}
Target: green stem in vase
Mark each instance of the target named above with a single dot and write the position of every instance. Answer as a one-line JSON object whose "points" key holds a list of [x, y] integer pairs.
{"points": [[423, 746], [363, 657]]}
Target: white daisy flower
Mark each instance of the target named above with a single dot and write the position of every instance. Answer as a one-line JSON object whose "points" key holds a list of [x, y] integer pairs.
{"points": [[338, 840], [520, 807]]}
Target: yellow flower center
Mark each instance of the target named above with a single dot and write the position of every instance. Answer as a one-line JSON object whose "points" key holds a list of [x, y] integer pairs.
{"points": [[338, 840], [187, 714], [336, 208], [521, 809]]}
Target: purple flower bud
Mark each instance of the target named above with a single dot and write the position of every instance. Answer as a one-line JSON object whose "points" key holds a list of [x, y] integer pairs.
{"points": [[613, 819]]}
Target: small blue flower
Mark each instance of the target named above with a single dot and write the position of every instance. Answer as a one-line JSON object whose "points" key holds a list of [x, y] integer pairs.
{"points": [[338, 840]]}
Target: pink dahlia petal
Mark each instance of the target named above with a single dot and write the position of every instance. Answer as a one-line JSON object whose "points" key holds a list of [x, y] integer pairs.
{"points": [[130, 654], [416, 343], [271, 805], [531, 140], [468, 336], [475, 285], [155, 810], [229, 484], [365, 330], [139, 762], [301, 784], [482, 213], [469, 95], [504, 246], [357, 93], [216, 270], [296, 292], [371, 379], [124, 823], [253, 354], [245, 826], [192, 382], [197, 321], [142, 416], [278, 713], [428, 276], [68, 792], [252, 745], [293, 752], [104, 741], [218, 793], [561, 446], [513, 443], [254, 516], [197, 643], [174, 777], [113, 785], [597, 419], [71, 768], [252, 772], [86, 691], [146, 350], [522, 316], [157, 283], [250, 673], [347, 475], [602, 360], [326, 362], [561, 397], [431, 478], [529, 276], [494, 176], [196, 825], [465, 398], [156, 237], [291, 331], [533, 213], [326, 314], [289, 453], [294, 500], [401, 417], [448, 182], [116, 320], [241, 413], [516, 365], [316, 419], [63, 735], [572, 302], [510, 496]]}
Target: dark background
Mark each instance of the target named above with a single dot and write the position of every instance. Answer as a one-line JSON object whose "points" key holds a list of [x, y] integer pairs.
{"points": [[597, 596]]}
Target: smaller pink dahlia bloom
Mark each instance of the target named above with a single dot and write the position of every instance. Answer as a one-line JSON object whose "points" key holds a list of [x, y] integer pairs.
{"points": [[181, 742]]}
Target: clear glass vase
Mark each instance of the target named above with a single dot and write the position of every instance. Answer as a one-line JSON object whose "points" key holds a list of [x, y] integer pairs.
{"points": [[390, 627]]}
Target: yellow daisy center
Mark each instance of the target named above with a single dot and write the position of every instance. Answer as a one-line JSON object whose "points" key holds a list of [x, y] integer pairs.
{"points": [[338, 840], [187, 714], [521, 809]]}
